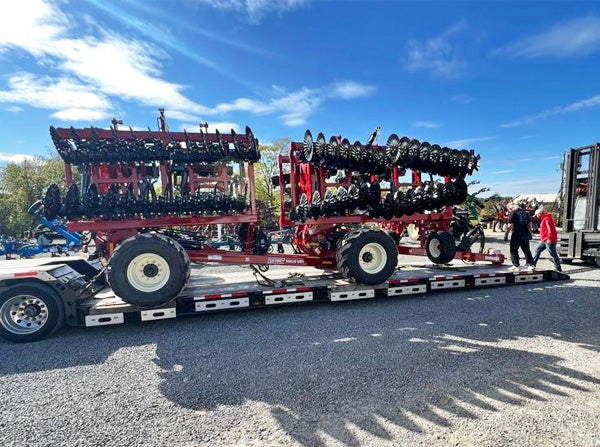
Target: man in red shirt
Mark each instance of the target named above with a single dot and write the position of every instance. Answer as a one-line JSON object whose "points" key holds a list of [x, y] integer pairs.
{"points": [[548, 237]]}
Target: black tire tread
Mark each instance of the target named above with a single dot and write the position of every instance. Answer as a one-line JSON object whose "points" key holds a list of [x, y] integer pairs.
{"points": [[347, 250], [447, 247], [121, 251]]}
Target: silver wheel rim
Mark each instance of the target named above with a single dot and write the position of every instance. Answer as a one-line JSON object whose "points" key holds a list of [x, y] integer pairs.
{"points": [[435, 248], [23, 314], [372, 258], [148, 272]]}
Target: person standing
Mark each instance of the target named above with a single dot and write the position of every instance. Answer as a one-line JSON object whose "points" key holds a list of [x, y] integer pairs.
{"points": [[509, 209], [519, 222], [548, 238]]}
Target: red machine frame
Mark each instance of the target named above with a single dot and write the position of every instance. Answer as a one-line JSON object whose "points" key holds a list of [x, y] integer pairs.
{"points": [[315, 178], [115, 231]]}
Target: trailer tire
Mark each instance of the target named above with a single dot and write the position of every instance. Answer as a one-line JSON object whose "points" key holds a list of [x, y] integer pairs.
{"points": [[367, 256], [30, 311], [148, 270], [440, 247]]}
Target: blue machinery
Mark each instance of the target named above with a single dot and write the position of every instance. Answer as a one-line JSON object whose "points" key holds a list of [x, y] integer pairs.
{"points": [[46, 232]]}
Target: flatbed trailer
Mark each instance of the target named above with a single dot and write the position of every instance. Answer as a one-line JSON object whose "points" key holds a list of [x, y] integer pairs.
{"points": [[49, 293]]}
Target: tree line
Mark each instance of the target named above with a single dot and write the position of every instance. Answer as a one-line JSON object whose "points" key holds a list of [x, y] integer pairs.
{"points": [[23, 183]]}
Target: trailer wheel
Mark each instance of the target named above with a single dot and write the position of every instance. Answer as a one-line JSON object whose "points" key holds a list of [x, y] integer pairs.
{"points": [[30, 312], [440, 247], [367, 256], [148, 270]]}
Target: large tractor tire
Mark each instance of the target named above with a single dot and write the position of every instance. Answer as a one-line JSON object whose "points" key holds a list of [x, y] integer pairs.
{"points": [[367, 256], [440, 247], [395, 236], [148, 270], [29, 312]]}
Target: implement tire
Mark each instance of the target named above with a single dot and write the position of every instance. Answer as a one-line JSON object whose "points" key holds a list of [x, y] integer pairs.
{"points": [[367, 256], [440, 247], [148, 270]]}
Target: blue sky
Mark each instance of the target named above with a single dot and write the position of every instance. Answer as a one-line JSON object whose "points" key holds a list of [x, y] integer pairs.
{"points": [[516, 81]]}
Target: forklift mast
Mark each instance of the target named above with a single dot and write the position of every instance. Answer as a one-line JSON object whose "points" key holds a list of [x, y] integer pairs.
{"points": [[581, 181], [580, 236]]}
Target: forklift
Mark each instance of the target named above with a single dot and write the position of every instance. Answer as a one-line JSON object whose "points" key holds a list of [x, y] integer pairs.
{"points": [[580, 236]]}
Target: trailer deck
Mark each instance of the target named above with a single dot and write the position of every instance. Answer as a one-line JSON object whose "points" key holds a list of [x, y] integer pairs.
{"points": [[239, 290], [210, 291]]}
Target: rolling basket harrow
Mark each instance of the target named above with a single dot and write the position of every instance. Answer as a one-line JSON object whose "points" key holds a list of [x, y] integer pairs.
{"points": [[143, 193]]}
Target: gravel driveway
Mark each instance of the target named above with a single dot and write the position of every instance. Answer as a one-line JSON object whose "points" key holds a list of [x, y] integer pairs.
{"points": [[492, 367]]}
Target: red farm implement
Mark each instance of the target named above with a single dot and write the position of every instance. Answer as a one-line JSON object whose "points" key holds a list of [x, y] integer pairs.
{"points": [[145, 195]]}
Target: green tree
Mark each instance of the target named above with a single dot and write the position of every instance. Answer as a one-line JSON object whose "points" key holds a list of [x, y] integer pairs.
{"points": [[266, 194], [21, 184]]}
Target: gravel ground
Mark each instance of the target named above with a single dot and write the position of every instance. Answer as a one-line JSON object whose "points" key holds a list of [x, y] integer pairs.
{"points": [[491, 367]]}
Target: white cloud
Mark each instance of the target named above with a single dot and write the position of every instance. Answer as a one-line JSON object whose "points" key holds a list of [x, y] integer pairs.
{"points": [[110, 64], [577, 37], [462, 98], [180, 23], [163, 36], [181, 116], [222, 127], [505, 171], [14, 158], [255, 9], [294, 108], [466, 142], [436, 55], [79, 114], [30, 24], [63, 94], [125, 69], [14, 109], [425, 124], [92, 74], [350, 90], [584, 104]]}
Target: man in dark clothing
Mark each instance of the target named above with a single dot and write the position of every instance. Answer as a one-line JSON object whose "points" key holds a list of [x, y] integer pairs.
{"points": [[519, 222]]}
